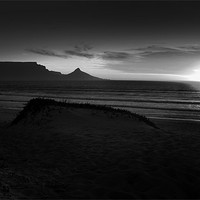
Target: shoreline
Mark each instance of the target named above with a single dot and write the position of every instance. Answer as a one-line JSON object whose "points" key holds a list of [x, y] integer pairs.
{"points": [[8, 114], [174, 119]]}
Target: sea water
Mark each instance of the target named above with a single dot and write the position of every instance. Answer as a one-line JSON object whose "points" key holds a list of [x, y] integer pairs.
{"points": [[154, 99]]}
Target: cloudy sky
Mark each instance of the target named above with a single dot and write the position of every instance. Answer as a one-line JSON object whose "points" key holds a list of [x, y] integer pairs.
{"points": [[116, 40]]}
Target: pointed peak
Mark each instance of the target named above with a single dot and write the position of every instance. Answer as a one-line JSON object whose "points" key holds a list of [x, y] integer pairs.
{"points": [[77, 70]]}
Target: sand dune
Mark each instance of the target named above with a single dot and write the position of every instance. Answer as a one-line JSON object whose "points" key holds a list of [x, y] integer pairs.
{"points": [[58, 151]]}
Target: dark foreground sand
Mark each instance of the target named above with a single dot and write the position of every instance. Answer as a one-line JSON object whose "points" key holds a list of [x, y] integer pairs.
{"points": [[64, 153]]}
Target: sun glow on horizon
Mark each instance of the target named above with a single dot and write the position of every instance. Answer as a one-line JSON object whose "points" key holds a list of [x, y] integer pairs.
{"points": [[195, 76]]}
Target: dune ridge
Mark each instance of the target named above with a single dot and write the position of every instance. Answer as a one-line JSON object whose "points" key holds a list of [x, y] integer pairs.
{"points": [[37, 104]]}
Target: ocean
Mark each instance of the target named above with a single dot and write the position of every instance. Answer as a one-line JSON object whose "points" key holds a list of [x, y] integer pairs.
{"points": [[171, 100]]}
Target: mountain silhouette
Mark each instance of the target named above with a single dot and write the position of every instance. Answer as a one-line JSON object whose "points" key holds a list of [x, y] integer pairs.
{"points": [[31, 71], [77, 74]]}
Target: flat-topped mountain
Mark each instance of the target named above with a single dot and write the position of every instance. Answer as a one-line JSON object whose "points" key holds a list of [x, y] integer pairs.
{"points": [[31, 71]]}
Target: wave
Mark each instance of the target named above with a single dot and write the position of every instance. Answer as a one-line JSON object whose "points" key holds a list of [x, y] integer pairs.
{"points": [[112, 105], [162, 101], [155, 108]]}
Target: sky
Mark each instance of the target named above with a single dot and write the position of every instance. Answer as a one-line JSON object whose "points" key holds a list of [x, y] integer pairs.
{"points": [[126, 40]]}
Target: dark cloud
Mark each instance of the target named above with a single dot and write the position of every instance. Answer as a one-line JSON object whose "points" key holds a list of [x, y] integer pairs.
{"points": [[191, 48], [82, 48], [78, 53], [157, 51], [156, 48], [111, 55], [45, 52], [81, 51]]}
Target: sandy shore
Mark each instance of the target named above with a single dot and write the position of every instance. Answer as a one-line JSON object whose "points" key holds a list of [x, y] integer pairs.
{"points": [[86, 153]]}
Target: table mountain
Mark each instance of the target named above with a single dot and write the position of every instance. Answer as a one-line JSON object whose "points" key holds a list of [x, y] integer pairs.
{"points": [[31, 71]]}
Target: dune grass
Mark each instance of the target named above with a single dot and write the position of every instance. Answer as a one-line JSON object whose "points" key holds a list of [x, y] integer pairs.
{"points": [[35, 105]]}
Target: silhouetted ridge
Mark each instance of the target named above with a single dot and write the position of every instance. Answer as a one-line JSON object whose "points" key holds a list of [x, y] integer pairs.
{"points": [[77, 70], [77, 74], [31, 71], [26, 71], [34, 106]]}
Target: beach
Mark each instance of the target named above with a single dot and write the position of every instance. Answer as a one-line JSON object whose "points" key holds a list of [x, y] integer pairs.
{"points": [[72, 152], [148, 149]]}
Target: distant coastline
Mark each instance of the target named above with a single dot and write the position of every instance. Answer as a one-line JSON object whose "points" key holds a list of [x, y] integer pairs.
{"points": [[31, 71]]}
